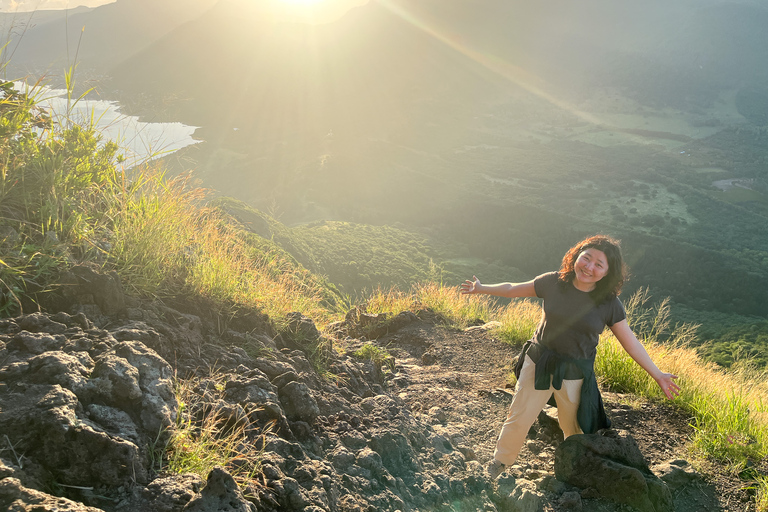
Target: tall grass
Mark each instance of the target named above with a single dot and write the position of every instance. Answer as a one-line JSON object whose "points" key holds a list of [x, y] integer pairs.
{"points": [[167, 241], [729, 409]]}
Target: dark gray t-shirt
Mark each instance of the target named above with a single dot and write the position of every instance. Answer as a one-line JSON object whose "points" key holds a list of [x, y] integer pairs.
{"points": [[572, 323]]}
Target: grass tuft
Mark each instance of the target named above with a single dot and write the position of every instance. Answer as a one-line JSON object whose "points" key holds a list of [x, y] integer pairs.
{"points": [[199, 444], [377, 355]]}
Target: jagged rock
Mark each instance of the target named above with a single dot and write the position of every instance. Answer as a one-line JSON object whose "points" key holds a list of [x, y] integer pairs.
{"points": [[133, 378], [298, 402], [284, 378], [396, 452], [524, 498], [401, 320], [302, 329], [35, 343], [79, 405], [140, 331], [83, 284], [171, 494], [341, 458], [370, 460], [359, 323], [38, 322], [379, 404], [570, 501], [43, 422], [357, 448], [551, 484], [115, 422], [611, 463], [272, 368], [14, 497], [55, 367], [255, 388], [220, 494]]}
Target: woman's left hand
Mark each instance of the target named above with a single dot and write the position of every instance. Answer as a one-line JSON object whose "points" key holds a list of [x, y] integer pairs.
{"points": [[666, 382]]}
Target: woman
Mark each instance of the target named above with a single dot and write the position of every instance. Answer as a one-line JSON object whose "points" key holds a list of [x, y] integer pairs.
{"points": [[579, 301]]}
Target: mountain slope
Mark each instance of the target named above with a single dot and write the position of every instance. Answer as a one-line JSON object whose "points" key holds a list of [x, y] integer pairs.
{"points": [[99, 36]]}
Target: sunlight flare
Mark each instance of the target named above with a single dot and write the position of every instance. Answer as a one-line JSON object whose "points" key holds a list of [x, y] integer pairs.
{"points": [[510, 72]]}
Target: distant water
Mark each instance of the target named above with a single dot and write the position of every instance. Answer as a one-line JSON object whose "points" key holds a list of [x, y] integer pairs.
{"points": [[139, 141]]}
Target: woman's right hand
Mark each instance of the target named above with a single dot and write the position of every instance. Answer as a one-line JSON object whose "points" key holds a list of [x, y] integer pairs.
{"points": [[470, 287]]}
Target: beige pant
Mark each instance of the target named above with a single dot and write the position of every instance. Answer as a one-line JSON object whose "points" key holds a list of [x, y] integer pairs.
{"points": [[527, 405]]}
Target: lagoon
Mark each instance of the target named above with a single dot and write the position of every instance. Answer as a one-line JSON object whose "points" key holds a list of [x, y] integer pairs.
{"points": [[139, 141]]}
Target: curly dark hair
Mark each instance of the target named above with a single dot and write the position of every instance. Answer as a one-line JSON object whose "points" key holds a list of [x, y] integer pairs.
{"points": [[609, 286]]}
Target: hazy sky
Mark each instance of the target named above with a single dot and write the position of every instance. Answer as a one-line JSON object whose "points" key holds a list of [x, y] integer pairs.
{"points": [[32, 5], [287, 8]]}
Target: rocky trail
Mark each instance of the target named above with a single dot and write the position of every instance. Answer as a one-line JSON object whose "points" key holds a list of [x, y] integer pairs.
{"points": [[87, 402]]}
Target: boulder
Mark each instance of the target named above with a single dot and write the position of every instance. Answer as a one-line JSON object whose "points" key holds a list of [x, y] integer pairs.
{"points": [[611, 463], [298, 402], [79, 405], [46, 423]]}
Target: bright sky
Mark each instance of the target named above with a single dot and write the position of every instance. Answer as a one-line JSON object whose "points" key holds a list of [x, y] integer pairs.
{"points": [[312, 11], [294, 10], [33, 5]]}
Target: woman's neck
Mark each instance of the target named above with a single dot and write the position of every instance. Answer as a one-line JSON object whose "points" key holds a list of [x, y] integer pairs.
{"points": [[583, 287]]}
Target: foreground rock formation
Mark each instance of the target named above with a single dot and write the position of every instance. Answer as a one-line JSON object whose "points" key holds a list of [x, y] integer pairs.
{"points": [[86, 411]]}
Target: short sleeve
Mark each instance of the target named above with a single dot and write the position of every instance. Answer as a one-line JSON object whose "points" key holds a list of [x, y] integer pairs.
{"points": [[544, 283], [616, 312]]}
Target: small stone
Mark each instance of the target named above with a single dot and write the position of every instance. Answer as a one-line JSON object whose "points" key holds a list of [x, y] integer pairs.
{"points": [[571, 501], [438, 415]]}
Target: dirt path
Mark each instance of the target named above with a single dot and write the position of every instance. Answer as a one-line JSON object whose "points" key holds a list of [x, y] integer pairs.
{"points": [[456, 381]]}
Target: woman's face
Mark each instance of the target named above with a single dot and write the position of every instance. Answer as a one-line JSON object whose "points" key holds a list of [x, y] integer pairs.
{"points": [[590, 266]]}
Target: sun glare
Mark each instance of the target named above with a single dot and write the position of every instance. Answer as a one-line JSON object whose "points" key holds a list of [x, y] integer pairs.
{"points": [[312, 11]]}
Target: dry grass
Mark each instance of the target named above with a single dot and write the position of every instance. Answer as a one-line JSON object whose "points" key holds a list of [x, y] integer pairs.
{"points": [[204, 439], [517, 320], [168, 242]]}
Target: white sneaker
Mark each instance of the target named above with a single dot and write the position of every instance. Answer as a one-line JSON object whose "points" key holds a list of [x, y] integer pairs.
{"points": [[495, 468]]}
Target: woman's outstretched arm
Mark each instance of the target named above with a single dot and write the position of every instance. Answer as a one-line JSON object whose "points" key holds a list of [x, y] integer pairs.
{"points": [[636, 351], [510, 290]]}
